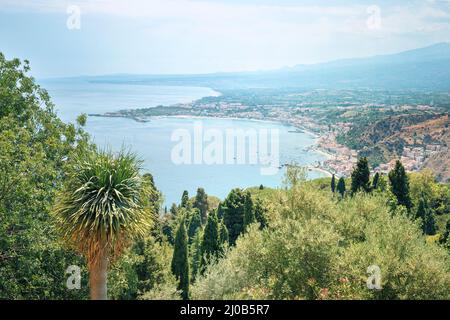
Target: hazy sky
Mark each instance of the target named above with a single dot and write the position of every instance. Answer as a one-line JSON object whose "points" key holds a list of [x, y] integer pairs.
{"points": [[199, 36]]}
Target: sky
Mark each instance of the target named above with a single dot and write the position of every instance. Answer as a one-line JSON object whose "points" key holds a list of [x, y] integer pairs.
{"points": [[94, 37]]}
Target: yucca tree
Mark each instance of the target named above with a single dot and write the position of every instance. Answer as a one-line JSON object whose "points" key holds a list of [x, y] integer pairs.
{"points": [[102, 206]]}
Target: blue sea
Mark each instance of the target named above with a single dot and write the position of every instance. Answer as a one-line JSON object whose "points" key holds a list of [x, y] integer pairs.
{"points": [[152, 140]]}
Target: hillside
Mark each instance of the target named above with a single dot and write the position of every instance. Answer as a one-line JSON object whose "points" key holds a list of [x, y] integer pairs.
{"points": [[420, 138]]}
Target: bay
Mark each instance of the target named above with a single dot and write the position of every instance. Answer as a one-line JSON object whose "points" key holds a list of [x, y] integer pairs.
{"points": [[152, 140]]}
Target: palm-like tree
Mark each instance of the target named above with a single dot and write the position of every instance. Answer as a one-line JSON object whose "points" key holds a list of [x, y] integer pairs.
{"points": [[102, 206]]}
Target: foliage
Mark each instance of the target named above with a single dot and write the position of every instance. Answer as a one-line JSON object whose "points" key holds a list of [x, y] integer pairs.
{"points": [[249, 214], [261, 213], [104, 204], [426, 217], [211, 244], [180, 262], [223, 234], [361, 176], [195, 223], [34, 146], [341, 187], [233, 208], [201, 203], [195, 251], [376, 179], [320, 249], [143, 271], [185, 200], [400, 185]]}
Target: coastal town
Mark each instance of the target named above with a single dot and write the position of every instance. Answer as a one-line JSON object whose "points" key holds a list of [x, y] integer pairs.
{"points": [[332, 120]]}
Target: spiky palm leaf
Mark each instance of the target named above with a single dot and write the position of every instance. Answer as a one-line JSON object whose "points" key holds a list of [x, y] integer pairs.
{"points": [[103, 204]]}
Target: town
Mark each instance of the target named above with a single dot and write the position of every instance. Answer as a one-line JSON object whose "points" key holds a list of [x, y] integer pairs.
{"points": [[341, 122]]}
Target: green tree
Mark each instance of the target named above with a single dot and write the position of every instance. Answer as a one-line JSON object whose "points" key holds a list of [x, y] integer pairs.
{"points": [[400, 185], [174, 210], [201, 203], [34, 145], [155, 195], [180, 262], [361, 176], [155, 199], [224, 236], [102, 206], [429, 224], [333, 183], [233, 208], [195, 223], [376, 179], [145, 267], [185, 200], [211, 240], [249, 213], [167, 229], [341, 187], [425, 214], [196, 254]]}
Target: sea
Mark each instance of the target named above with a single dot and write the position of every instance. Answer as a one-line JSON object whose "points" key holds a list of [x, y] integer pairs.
{"points": [[154, 141]]}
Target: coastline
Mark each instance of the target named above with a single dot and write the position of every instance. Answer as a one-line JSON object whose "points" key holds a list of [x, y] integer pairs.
{"points": [[322, 170], [315, 147]]}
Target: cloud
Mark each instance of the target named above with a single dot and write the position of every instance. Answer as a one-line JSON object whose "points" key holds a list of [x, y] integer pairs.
{"points": [[322, 16], [224, 35]]}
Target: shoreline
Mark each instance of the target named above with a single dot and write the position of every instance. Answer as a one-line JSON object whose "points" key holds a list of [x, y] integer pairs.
{"points": [[315, 147], [322, 170]]}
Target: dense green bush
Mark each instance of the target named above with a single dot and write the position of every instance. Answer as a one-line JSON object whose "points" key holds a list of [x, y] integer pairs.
{"points": [[320, 249]]}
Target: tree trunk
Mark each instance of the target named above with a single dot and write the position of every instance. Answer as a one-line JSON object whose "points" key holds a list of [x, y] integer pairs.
{"points": [[98, 278]]}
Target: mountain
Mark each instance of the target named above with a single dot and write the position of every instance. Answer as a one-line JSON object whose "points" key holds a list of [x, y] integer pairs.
{"points": [[424, 69]]}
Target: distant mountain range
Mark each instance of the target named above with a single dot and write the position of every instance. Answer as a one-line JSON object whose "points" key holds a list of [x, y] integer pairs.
{"points": [[424, 69]]}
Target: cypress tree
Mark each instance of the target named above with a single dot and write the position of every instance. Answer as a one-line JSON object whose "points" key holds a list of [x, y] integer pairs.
{"points": [[261, 187], [174, 210], [375, 181], [361, 176], [196, 252], [333, 184], [201, 203], [341, 187], [195, 223], [224, 237], [249, 214], [185, 200], [180, 262], [220, 211], [211, 241], [400, 185]]}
